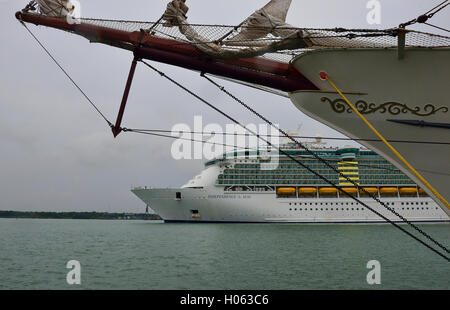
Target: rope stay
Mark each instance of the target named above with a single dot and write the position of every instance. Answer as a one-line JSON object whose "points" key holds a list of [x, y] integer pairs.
{"points": [[160, 133], [68, 76], [185, 139], [162, 74], [422, 19], [302, 137], [385, 142]]}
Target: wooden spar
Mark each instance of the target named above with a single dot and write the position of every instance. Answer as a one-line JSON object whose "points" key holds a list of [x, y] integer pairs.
{"points": [[255, 70], [117, 129]]}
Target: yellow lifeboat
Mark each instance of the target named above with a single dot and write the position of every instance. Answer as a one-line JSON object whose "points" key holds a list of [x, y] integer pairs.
{"points": [[327, 190], [421, 191], [286, 191], [389, 190], [349, 190], [370, 190], [408, 190], [307, 190]]}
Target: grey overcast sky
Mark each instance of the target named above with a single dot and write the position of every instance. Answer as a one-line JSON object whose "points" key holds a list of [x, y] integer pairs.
{"points": [[57, 155]]}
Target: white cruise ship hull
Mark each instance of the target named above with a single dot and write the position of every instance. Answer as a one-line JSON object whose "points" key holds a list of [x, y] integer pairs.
{"points": [[387, 90], [211, 205]]}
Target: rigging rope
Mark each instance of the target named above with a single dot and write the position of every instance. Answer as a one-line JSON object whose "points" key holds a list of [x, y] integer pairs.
{"points": [[422, 19], [185, 139], [387, 144], [68, 76], [330, 166], [299, 137], [157, 133], [162, 74]]}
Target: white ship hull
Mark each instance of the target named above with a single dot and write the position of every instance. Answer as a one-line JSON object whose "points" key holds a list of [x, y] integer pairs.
{"points": [[386, 88], [214, 205]]}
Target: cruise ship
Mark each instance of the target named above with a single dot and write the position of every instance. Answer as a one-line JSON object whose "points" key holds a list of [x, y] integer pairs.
{"points": [[263, 186], [387, 88]]}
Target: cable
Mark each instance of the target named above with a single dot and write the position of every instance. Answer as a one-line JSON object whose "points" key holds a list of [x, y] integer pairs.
{"points": [[359, 165], [301, 137], [162, 74], [387, 144], [186, 139], [68, 76], [422, 19], [317, 157], [437, 27]]}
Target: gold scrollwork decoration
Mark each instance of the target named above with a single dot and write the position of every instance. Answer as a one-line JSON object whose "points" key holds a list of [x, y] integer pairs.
{"points": [[393, 108]]}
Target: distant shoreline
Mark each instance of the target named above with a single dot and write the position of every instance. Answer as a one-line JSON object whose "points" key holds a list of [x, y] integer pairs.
{"points": [[79, 215]]}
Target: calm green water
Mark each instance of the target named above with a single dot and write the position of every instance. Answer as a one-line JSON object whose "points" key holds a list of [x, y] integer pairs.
{"points": [[145, 255]]}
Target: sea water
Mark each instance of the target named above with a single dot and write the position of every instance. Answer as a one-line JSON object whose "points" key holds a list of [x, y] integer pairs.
{"points": [[154, 255]]}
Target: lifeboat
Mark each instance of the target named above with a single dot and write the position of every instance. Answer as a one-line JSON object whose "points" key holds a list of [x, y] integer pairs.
{"points": [[421, 191], [408, 190], [286, 191], [389, 190], [349, 190], [370, 190], [327, 190], [307, 190]]}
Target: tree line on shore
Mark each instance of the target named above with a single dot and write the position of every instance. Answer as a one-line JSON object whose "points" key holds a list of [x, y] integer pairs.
{"points": [[79, 215]]}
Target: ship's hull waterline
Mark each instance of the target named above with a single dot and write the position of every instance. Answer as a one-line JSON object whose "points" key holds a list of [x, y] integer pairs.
{"points": [[212, 206], [387, 90]]}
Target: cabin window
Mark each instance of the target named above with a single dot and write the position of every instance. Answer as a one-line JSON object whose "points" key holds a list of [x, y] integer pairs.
{"points": [[178, 195]]}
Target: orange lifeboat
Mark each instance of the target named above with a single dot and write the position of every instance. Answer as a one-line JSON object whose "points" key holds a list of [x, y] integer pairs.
{"points": [[408, 190], [369, 190], [286, 191], [307, 190], [389, 190], [327, 190], [349, 190]]}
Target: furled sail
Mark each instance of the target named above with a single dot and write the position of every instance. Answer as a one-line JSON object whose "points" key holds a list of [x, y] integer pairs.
{"points": [[55, 8], [270, 20]]}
